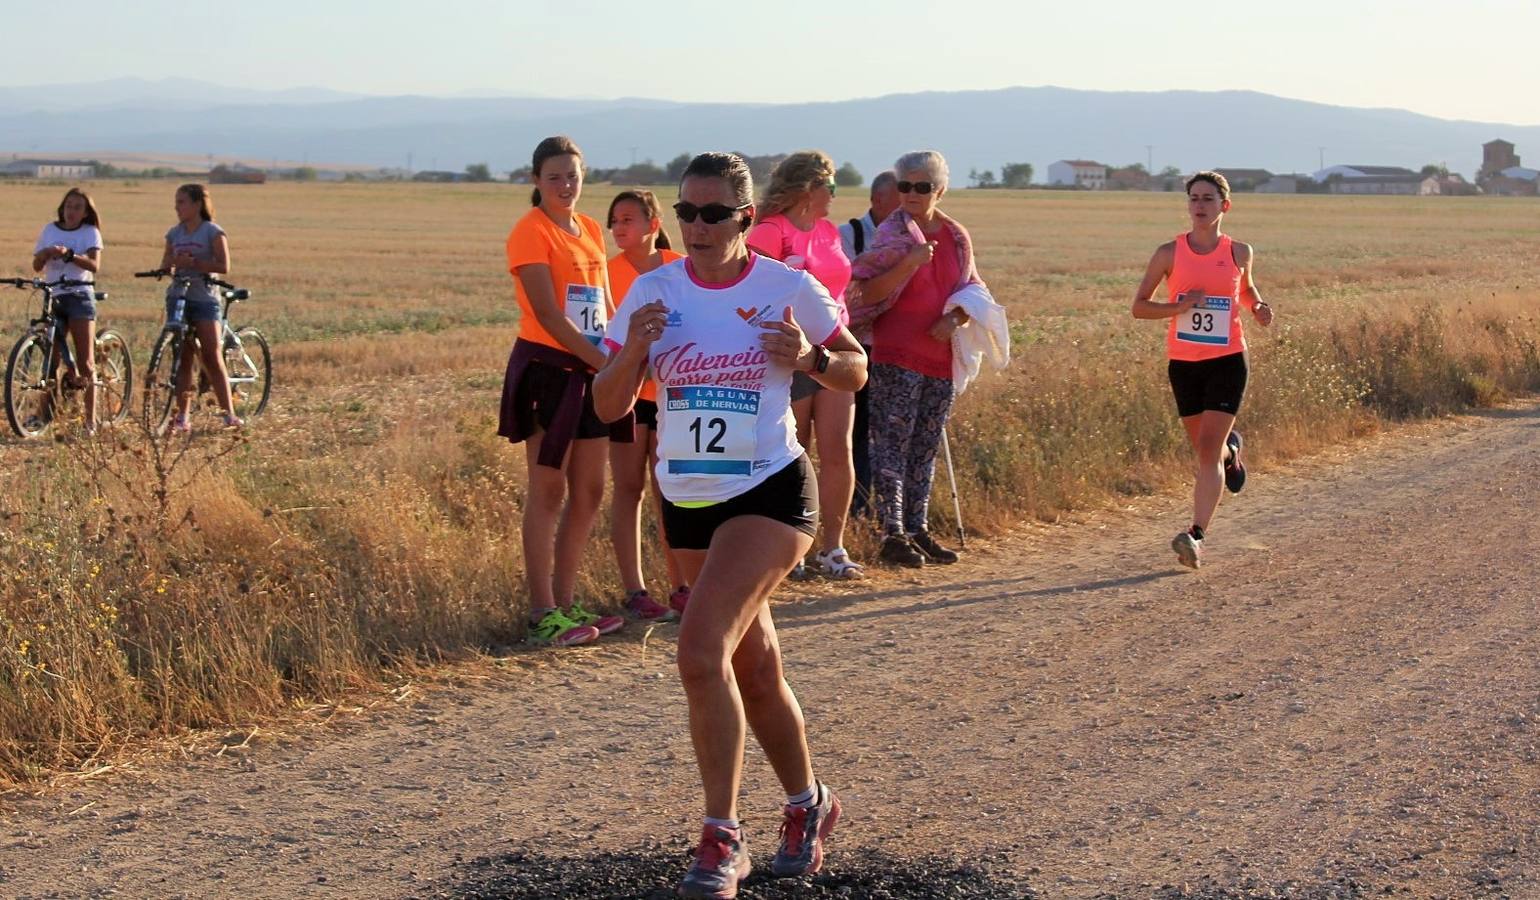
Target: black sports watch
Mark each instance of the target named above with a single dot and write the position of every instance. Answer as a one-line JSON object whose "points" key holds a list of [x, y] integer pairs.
{"points": [[821, 357]]}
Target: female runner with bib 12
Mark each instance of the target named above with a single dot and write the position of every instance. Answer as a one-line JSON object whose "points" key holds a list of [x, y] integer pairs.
{"points": [[1208, 279], [723, 332]]}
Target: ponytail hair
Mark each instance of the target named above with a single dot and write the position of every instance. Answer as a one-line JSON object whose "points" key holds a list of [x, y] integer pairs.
{"points": [[199, 194], [558, 145], [648, 201]]}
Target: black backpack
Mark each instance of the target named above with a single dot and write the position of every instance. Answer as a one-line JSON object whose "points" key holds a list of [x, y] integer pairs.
{"points": [[858, 236]]}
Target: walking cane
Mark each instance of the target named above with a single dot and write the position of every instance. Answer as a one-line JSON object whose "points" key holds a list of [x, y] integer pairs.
{"points": [[951, 475]]}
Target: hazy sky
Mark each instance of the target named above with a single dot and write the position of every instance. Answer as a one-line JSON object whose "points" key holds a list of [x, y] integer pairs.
{"points": [[1475, 60]]}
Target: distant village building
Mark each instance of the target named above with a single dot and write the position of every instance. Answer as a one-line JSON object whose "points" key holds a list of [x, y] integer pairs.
{"points": [[1245, 179], [1452, 185], [1502, 175], [1495, 157], [1360, 172], [1411, 184], [1081, 173], [1128, 178], [1503, 186], [236, 174], [49, 168], [1282, 184]]}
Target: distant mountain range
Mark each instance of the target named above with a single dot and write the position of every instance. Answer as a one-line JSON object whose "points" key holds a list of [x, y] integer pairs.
{"points": [[975, 129]]}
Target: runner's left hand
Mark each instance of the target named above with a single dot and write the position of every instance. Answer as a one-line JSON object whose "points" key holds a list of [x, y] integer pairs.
{"points": [[1262, 313], [785, 343]]}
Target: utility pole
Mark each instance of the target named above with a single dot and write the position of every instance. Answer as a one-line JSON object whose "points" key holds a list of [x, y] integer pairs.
{"points": [[1322, 151], [1149, 158], [633, 156]]}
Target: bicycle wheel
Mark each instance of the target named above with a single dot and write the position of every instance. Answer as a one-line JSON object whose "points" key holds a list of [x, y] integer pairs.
{"points": [[250, 367], [160, 380], [29, 387], [115, 376]]}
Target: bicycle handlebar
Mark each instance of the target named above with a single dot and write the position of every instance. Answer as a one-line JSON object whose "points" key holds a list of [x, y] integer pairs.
{"points": [[40, 283], [166, 273]]}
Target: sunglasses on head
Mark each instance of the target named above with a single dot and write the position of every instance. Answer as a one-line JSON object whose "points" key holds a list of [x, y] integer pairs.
{"points": [[711, 213], [919, 187]]}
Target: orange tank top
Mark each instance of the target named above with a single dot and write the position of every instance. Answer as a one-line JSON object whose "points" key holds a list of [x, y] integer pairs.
{"points": [[1212, 328]]}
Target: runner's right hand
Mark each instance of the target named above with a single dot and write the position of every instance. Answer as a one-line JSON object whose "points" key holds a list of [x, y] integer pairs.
{"points": [[1188, 300], [647, 323]]}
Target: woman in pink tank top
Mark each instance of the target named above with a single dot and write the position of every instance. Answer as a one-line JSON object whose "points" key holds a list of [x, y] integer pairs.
{"points": [[791, 224], [1208, 279]]}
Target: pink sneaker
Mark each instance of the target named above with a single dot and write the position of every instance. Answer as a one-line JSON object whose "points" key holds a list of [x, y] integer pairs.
{"points": [[602, 624], [641, 605], [721, 862], [679, 599]]}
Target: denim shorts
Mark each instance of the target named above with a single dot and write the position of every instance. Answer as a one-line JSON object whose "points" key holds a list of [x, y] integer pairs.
{"points": [[195, 310], [75, 306]]}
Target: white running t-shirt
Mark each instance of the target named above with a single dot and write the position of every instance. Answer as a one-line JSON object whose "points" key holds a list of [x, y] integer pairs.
{"points": [[82, 239], [724, 410]]}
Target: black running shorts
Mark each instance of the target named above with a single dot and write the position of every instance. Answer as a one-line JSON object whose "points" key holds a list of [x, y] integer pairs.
{"points": [[1216, 384], [790, 496], [646, 413]]}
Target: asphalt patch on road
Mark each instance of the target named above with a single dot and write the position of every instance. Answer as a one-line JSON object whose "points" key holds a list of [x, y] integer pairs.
{"points": [[652, 874]]}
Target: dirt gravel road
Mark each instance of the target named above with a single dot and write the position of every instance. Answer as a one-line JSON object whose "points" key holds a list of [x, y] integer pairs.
{"points": [[1344, 702]]}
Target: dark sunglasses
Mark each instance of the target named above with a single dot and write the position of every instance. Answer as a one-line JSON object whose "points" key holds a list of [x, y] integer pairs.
{"points": [[831, 186], [919, 187], [711, 213]]}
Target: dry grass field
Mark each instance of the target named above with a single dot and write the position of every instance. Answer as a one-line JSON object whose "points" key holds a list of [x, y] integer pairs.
{"points": [[369, 520]]}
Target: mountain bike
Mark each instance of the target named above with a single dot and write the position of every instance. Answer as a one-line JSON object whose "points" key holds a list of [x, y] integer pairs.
{"points": [[248, 362], [34, 390]]}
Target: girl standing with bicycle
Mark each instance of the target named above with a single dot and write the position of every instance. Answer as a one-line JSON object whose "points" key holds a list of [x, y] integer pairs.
{"points": [[196, 247], [557, 258], [636, 224], [70, 247]]}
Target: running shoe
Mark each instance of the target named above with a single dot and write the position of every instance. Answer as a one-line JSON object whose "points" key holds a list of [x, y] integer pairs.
{"points": [[897, 549], [721, 862], [801, 572], [837, 563], [933, 551], [803, 832], [603, 624], [679, 599], [641, 605], [1235, 470], [556, 629], [1189, 550]]}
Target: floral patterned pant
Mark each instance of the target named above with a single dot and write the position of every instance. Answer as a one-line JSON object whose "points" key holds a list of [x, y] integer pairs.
{"points": [[907, 414]]}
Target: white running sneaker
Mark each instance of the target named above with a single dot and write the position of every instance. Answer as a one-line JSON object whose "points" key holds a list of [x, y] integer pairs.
{"points": [[1189, 550]]}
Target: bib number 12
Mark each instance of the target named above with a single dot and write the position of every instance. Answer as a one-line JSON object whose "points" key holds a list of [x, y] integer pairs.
{"points": [[716, 430]]}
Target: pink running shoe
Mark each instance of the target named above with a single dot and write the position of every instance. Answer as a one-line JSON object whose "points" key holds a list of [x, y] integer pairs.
{"points": [[721, 862], [604, 624], [680, 598], [802, 835], [641, 605]]}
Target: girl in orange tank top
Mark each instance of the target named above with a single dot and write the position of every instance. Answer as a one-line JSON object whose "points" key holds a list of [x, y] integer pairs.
{"points": [[636, 224], [1208, 279]]}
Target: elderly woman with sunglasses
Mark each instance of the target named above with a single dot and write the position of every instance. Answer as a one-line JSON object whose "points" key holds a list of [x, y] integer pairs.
{"points": [[918, 259]]}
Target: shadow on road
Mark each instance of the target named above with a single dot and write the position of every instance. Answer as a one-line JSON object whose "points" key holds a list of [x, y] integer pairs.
{"points": [[826, 610]]}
